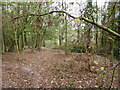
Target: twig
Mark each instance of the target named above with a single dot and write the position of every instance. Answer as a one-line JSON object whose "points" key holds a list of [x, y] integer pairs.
{"points": [[112, 79], [116, 65]]}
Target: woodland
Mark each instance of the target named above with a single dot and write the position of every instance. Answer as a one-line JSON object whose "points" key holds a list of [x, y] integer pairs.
{"points": [[60, 44]]}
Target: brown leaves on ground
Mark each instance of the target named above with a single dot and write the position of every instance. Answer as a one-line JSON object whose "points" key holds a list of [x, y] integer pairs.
{"points": [[52, 68]]}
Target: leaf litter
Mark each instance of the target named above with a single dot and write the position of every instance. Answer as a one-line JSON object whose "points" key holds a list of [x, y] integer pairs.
{"points": [[50, 68]]}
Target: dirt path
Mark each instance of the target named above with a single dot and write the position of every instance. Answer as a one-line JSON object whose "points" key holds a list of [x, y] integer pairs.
{"points": [[48, 68], [29, 69]]}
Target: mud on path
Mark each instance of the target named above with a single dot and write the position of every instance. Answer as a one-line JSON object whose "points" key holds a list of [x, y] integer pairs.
{"points": [[50, 68]]}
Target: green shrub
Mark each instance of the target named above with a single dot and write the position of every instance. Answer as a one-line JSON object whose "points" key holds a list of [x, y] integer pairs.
{"points": [[117, 53], [78, 49]]}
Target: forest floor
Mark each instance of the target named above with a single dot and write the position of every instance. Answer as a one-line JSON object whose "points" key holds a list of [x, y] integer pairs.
{"points": [[50, 68]]}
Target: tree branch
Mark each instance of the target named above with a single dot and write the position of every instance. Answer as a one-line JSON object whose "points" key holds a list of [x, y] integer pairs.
{"points": [[81, 18], [101, 27]]}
